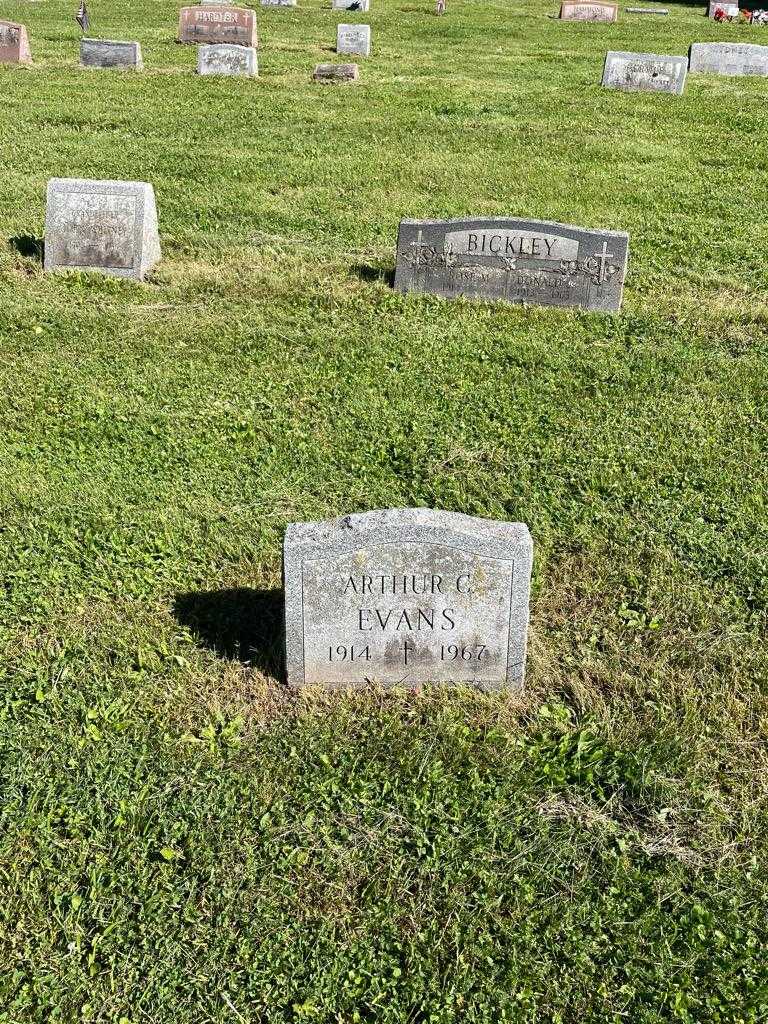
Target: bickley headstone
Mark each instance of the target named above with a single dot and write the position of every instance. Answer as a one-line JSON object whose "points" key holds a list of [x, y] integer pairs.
{"points": [[14, 44], [645, 72], [108, 226], [331, 74], [354, 39], [573, 10], [351, 5], [406, 596], [503, 259], [209, 23], [227, 59], [110, 53], [728, 59]]}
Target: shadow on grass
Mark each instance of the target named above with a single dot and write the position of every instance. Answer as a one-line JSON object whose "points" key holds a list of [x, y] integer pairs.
{"points": [[240, 623], [29, 246], [368, 273]]}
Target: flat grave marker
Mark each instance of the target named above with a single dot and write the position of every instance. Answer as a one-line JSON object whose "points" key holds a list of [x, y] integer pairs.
{"points": [[645, 72], [406, 596], [14, 44], [331, 74], [575, 10], [217, 23], [728, 59], [661, 11], [354, 39], [227, 59], [110, 53], [278, 3], [542, 263], [107, 226]]}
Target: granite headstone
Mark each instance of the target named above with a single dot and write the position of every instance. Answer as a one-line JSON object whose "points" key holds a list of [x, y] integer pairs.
{"points": [[108, 226], [542, 263], [227, 59], [331, 74], [728, 59], [14, 44], [574, 10], [217, 23], [645, 72], [110, 53], [354, 39], [406, 596]]}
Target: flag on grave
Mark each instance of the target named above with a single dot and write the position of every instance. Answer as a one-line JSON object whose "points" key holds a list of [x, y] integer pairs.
{"points": [[82, 18]]}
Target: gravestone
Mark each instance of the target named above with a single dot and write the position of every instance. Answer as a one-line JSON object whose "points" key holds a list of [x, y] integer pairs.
{"points": [[110, 53], [728, 59], [645, 72], [227, 59], [335, 73], [406, 596], [217, 23], [354, 39], [662, 11], [108, 226], [14, 44], [351, 5], [503, 259], [729, 10], [278, 3], [573, 10]]}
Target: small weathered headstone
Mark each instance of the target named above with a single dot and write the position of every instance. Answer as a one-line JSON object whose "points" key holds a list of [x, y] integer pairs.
{"points": [[406, 596], [575, 10], [645, 72], [14, 44], [729, 10], [278, 3], [216, 3], [662, 11], [110, 53], [354, 39], [351, 5], [217, 23], [728, 59], [108, 226], [227, 59], [508, 260], [333, 73]]}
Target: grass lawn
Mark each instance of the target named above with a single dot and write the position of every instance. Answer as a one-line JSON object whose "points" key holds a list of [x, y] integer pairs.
{"points": [[181, 840]]}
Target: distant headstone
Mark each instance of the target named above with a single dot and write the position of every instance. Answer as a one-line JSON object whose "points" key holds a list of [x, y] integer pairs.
{"points": [[663, 11], [333, 73], [729, 10], [354, 39], [216, 3], [109, 226], [227, 59], [278, 3], [110, 53], [645, 72], [351, 5], [503, 259], [14, 44], [728, 59], [573, 10], [406, 596], [217, 23]]}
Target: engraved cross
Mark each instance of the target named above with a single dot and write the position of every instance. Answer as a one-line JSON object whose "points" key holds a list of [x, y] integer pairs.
{"points": [[602, 258]]}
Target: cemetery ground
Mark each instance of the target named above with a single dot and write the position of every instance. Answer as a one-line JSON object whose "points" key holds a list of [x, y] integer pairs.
{"points": [[182, 839]]}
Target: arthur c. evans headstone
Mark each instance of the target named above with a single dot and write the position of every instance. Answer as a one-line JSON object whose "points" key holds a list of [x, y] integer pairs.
{"points": [[498, 258], [406, 596], [227, 59], [217, 24], [572, 10], [14, 44], [354, 39], [109, 226], [729, 59], [645, 72], [110, 53]]}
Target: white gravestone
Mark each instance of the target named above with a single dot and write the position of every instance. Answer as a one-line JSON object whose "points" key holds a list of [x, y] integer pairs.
{"points": [[227, 59], [354, 39]]}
